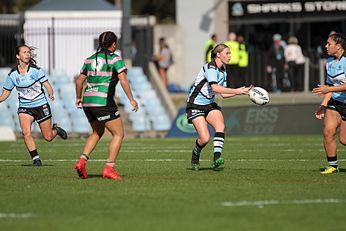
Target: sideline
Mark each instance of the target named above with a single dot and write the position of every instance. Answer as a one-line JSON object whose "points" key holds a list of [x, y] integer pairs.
{"points": [[177, 160]]}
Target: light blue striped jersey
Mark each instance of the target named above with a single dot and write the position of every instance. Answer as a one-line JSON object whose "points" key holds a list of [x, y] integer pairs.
{"points": [[201, 92], [29, 86], [336, 75]]}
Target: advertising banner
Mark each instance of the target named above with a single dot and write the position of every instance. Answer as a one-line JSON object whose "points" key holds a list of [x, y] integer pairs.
{"points": [[299, 8], [258, 120], [181, 128]]}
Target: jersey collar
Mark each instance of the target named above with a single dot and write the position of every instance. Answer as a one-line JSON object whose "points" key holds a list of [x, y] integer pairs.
{"points": [[27, 70]]}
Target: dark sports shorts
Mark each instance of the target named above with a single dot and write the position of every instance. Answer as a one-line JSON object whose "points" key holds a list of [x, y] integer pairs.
{"points": [[194, 110], [337, 106], [40, 113], [101, 114]]}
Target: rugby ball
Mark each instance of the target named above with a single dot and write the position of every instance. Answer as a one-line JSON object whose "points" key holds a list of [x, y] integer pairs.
{"points": [[259, 96]]}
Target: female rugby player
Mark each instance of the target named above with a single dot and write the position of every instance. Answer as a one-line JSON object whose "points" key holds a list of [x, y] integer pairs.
{"points": [[29, 81], [102, 71], [201, 108], [333, 106]]}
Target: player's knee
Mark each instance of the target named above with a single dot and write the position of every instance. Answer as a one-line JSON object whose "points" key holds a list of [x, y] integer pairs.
{"points": [[342, 140], [328, 135], [48, 137], [26, 134], [119, 135]]}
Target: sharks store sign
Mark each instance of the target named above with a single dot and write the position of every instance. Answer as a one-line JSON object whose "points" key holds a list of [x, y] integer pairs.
{"points": [[260, 9]]}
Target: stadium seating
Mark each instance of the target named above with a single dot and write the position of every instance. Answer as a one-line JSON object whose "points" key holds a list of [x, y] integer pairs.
{"points": [[161, 123], [3, 73], [150, 116], [6, 119]]}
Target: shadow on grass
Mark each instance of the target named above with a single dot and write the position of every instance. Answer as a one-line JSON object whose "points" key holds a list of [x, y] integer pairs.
{"points": [[43, 165], [94, 176], [208, 169]]}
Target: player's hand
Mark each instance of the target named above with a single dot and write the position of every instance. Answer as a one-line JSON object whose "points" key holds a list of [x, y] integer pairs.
{"points": [[134, 105], [243, 90], [79, 103], [319, 114], [51, 97], [321, 89]]}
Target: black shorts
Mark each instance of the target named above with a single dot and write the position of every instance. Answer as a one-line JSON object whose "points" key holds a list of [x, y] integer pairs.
{"points": [[194, 110], [40, 113], [101, 114], [337, 106]]}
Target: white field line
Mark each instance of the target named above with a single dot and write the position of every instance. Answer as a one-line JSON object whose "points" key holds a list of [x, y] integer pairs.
{"points": [[176, 160], [261, 204], [189, 151], [15, 215]]}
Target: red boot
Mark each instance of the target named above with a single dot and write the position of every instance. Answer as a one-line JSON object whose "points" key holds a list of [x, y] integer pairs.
{"points": [[81, 168], [110, 173]]}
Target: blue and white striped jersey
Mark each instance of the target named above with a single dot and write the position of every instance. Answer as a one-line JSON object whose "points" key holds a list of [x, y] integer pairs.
{"points": [[29, 86], [336, 75], [201, 92]]}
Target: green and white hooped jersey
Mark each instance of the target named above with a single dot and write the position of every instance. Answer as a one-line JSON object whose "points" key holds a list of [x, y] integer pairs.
{"points": [[102, 78]]}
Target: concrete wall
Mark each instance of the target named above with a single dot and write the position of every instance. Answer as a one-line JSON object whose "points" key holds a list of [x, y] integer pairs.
{"points": [[189, 18], [198, 20]]}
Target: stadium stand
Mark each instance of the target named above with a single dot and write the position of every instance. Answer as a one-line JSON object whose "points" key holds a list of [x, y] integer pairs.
{"points": [[151, 116]]}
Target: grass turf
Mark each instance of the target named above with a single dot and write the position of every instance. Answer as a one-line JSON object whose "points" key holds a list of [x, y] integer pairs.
{"points": [[267, 183]]}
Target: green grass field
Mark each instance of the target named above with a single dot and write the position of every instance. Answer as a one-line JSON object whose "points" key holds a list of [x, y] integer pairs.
{"points": [[267, 183]]}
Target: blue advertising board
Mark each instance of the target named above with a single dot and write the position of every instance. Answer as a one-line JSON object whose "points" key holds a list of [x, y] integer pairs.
{"points": [[257, 120], [181, 128]]}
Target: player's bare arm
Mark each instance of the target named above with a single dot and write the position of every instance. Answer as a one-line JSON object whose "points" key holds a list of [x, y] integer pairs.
{"points": [[5, 94]]}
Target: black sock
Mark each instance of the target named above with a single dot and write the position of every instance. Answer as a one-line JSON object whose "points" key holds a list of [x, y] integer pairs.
{"points": [[217, 155], [333, 161], [219, 139], [34, 154], [197, 149]]}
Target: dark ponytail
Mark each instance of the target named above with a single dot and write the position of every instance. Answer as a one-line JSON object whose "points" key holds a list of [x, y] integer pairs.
{"points": [[339, 39], [106, 39]]}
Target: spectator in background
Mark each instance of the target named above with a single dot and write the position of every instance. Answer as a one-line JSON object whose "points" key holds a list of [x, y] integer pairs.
{"points": [[276, 63], [209, 46], [164, 60], [295, 60], [243, 78], [232, 67]]}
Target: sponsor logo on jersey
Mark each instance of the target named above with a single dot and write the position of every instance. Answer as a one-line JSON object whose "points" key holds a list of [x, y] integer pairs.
{"points": [[20, 110], [92, 89], [102, 118], [45, 111]]}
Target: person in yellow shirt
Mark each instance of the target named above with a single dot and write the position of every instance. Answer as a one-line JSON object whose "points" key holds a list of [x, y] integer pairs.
{"points": [[209, 46], [232, 67], [243, 63]]}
